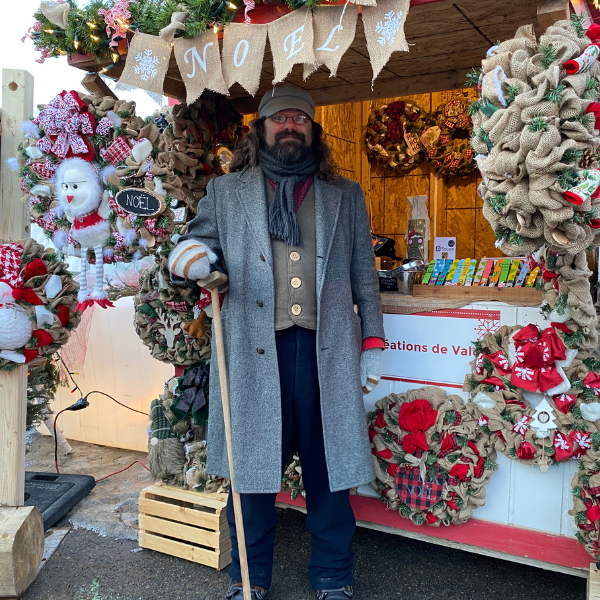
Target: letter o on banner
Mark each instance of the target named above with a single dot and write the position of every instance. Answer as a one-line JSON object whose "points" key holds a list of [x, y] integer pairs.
{"points": [[236, 61]]}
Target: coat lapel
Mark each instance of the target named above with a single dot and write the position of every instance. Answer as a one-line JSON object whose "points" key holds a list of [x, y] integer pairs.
{"points": [[252, 197], [328, 200]]}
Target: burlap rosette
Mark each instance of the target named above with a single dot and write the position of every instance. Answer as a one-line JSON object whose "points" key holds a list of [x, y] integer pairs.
{"points": [[586, 498], [431, 459], [446, 137], [46, 311], [535, 134], [393, 136], [503, 412], [165, 317]]}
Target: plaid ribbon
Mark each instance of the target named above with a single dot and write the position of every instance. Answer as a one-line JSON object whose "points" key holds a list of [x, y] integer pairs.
{"points": [[454, 481], [45, 169], [10, 264], [444, 138], [161, 427], [150, 225], [449, 439], [447, 158], [177, 306], [468, 153], [417, 494], [119, 150], [594, 491], [117, 209], [454, 164], [449, 124]]}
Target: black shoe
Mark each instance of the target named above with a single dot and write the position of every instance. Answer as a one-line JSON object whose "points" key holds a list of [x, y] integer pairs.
{"points": [[236, 591], [344, 594]]}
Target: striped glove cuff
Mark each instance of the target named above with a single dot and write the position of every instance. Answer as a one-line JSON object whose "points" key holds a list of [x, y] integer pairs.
{"points": [[191, 260]]}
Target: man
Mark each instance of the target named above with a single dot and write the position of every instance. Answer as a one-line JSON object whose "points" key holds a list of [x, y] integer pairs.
{"points": [[295, 241]]}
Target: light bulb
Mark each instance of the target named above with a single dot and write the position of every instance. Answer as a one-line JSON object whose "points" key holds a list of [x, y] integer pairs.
{"points": [[232, 6], [95, 38], [215, 29], [92, 25], [50, 31], [76, 44]]}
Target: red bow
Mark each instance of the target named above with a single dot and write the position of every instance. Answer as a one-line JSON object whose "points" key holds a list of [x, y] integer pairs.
{"points": [[416, 417], [500, 362], [563, 446], [592, 381], [535, 355], [66, 121], [564, 402], [495, 382], [583, 439]]}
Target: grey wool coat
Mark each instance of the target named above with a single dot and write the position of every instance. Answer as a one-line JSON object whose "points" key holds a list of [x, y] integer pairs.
{"points": [[232, 220]]}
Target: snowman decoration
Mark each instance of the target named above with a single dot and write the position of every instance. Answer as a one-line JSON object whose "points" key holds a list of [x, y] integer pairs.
{"points": [[80, 196]]}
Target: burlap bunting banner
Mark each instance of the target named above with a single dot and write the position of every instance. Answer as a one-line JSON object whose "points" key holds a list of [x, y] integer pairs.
{"points": [[296, 38], [334, 29], [199, 63], [291, 39], [243, 52], [147, 63], [384, 30]]}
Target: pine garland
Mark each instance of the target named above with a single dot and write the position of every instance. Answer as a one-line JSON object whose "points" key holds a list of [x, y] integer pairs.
{"points": [[498, 203], [592, 364], [473, 77], [561, 304], [591, 89], [538, 124], [572, 155], [477, 347], [584, 218], [512, 91], [578, 23], [568, 179], [473, 108]]}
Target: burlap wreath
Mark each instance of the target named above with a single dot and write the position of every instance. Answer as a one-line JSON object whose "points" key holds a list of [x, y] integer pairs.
{"points": [[503, 412], [49, 300], [178, 160], [446, 139], [586, 498], [392, 137], [443, 435], [536, 138], [164, 316], [177, 444]]}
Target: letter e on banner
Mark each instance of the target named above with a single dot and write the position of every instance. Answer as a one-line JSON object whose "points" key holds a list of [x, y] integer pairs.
{"points": [[291, 39], [334, 29], [244, 45]]}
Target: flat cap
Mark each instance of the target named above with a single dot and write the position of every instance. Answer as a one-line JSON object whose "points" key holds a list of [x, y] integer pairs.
{"points": [[285, 97]]}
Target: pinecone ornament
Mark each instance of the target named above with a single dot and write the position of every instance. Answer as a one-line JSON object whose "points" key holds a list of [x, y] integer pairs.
{"points": [[588, 160]]}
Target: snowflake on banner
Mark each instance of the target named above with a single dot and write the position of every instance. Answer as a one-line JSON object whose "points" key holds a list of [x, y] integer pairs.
{"points": [[146, 65], [388, 28], [486, 326]]}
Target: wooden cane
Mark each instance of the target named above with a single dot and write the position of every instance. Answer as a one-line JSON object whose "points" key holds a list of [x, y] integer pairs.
{"points": [[213, 282]]}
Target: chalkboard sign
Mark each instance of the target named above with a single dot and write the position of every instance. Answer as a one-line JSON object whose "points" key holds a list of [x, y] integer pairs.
{"points": [[140, 202], [388, 284]]}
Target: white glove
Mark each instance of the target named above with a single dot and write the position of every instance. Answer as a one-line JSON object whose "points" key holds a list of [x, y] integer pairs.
{"points": [[370, 369], [191, 260]]}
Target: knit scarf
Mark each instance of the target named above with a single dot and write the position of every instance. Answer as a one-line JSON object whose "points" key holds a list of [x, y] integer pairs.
{"points": [[283, 224]]}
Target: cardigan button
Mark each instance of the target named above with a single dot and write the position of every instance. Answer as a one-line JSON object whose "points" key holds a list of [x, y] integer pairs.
{"points": [[296, 282], [296, 309], [259, 303], [260, 350], [295, 256]]}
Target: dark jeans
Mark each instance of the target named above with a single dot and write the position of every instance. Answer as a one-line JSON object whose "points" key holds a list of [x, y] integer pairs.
{"points": [[330, 518]]}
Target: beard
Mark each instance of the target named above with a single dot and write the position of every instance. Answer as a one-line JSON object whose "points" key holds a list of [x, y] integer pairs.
{"points": [[287, 151]]}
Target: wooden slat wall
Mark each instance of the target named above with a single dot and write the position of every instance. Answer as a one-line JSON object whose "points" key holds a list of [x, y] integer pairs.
{"points": [[458, 205]]}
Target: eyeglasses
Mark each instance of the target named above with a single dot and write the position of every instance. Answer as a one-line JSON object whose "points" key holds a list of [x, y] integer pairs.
{"points": [[297, 119]]}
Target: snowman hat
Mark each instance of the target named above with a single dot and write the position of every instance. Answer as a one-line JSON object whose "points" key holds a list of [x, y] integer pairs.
{"points": [[10, 268]]}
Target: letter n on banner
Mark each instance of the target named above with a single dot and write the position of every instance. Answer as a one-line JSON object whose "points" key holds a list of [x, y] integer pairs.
{"points": [[199, 63], [147, 63], [291, 39], [334, 29], [243, 53]]}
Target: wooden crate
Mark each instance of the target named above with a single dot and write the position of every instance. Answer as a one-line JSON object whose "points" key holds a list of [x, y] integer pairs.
{"points": [[186, 524]]}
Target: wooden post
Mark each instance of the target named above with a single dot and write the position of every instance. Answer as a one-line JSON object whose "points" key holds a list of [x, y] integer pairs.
{"points": [[94, 84], [21, 529]]}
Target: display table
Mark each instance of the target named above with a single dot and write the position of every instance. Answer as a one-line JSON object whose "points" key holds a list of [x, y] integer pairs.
{"points": [[525, 515]]}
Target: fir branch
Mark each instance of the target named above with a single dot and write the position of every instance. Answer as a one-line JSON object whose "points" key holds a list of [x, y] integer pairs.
{"points": [[554, 94], [488, 365], [561, 304], [512, 91], [450, 416], [473, 108], [576, 385], [596, 441], [538, 123], [568, 179], [477, 347], [506, 416], [584, 218], [548, 55], [592, 364], [572, 155], [498, 203], [473, 77], [577, 21], [515, 239], [473, 383], [591, 89]]}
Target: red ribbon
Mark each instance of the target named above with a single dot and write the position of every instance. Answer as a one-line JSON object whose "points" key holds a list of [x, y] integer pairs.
{"points": [[500, 362], [563, 446], [592, 381], [494, 381], [583, 440], [564, 402], [534, 368], [526, 451]]}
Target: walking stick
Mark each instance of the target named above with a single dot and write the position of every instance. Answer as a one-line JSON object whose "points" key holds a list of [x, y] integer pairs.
{"points": [[213, 282]]}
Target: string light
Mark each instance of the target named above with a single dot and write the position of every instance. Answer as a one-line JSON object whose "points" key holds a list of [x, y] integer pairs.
{"points": [[232, 6], [115, 57], [92, 25], [50, 31], [76, 43], [215, 29], [95, 38]]}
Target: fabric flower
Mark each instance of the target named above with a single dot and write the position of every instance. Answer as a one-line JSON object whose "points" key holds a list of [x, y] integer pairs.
{"points": [[416, 417], [459, 471]]}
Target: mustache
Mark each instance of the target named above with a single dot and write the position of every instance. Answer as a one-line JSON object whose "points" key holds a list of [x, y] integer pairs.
{"points": [[290, 133]]}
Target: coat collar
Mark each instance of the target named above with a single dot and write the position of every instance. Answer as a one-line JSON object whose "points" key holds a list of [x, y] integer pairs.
{"points": [[252, 197]]}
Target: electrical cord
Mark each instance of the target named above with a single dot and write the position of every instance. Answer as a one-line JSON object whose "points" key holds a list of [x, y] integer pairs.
{"points": [[80, 405]]}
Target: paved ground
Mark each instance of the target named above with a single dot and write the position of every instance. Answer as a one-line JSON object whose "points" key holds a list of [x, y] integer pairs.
{"points": [[88, 566]]}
